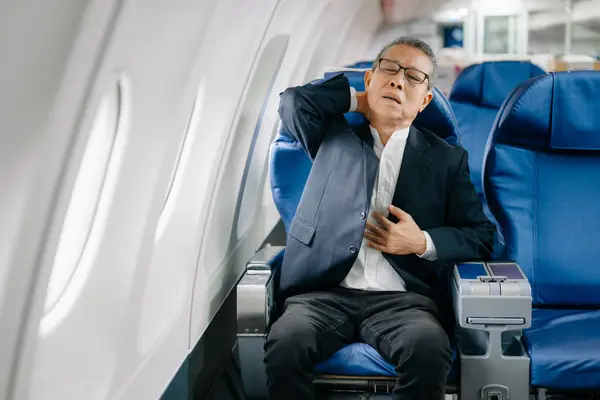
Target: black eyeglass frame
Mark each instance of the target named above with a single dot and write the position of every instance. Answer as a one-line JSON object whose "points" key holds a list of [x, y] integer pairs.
{"points": [[400, 68]]}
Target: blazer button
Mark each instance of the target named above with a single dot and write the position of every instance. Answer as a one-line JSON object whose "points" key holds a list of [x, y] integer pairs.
{"points": [[352, 249], [363, 215]]}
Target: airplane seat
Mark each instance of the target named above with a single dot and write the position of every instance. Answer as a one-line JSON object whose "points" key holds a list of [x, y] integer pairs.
{"points": [[541, 170], [358, 366], [476, 97]]}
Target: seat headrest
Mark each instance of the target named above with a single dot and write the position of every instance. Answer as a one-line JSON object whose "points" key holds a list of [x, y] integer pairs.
{"points": [[553, 112], [488, 84], [361, 64], [437, 117]]}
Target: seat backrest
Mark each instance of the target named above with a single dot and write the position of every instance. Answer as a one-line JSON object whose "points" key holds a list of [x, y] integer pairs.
{"points": [[542, 184], [290, 165], [362, 64], [476, 97]]}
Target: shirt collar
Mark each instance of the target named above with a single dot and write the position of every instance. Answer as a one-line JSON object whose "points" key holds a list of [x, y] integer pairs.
{"points": [[400, 134]]}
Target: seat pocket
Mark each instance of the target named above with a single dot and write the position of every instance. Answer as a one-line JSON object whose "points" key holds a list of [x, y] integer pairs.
{"points": [[302, 231]]}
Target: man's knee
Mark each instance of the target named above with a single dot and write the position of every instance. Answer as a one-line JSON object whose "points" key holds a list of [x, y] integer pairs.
{"points": [[425, 347], [290, 340]]}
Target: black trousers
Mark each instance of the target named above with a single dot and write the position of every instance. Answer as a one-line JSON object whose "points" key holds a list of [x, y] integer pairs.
{"points": [[404, 327]]}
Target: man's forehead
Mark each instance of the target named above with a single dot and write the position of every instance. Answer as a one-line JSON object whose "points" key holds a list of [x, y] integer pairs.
{"points": [[408, 56]]}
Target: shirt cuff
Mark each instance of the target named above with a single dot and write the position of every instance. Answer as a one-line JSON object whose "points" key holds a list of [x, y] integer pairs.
{"points": [[353, 100], [430, 252]]}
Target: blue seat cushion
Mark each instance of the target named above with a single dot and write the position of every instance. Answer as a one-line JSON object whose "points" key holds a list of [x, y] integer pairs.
{"points": [[360, 359], [564, 346]]}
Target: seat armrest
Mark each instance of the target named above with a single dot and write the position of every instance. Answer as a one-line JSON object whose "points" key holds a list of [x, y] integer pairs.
{"points": [[266, 258], [255, 292], [255, 310], [492, 304], [491, 294]]}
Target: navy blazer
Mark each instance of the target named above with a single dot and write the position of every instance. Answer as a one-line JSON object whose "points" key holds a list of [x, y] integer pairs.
{"points": [[434, 187]]}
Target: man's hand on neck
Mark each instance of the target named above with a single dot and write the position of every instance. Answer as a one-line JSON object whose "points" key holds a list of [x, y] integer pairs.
{"points": [[384, 126], [362, 105]]}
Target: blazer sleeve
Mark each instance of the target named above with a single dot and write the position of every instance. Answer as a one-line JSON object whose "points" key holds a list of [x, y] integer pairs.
{"points": [[468, 234], [307, 110]]}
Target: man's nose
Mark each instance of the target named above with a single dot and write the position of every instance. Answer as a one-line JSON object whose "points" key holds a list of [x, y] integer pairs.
{"points": [[398, 81]]}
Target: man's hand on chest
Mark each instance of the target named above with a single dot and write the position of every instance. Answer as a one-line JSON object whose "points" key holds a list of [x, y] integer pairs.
{"points": [[400, 238]]}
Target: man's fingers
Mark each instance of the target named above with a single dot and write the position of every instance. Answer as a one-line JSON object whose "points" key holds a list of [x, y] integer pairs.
{"points": [[398, 213], [374, 238], [384, 221], [376, 246], [377, 229]]}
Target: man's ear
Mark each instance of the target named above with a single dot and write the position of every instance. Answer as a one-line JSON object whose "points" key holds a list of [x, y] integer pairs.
{"points": [[368, 77], [426, 100]]}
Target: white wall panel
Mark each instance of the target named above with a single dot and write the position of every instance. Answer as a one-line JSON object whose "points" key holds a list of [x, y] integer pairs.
{"points": [[36, 41], [360, 33], [233, 36], [154, 45], [331, 35]]}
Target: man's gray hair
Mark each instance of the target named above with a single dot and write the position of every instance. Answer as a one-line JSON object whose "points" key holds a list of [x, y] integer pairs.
{"points": [[417, 44]]}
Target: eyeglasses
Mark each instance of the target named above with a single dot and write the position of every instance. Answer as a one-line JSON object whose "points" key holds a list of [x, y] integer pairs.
{"points": [[411, 75]]}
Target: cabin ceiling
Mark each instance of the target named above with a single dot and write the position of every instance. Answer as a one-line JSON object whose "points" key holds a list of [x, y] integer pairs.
{"points": [[543, 14], [398, 11]]}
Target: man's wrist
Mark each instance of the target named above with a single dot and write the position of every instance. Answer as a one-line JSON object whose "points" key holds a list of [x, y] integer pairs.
{"points": [[421, 247]]}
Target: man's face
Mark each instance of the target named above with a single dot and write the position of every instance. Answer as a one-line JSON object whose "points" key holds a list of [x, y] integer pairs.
{"points": [[394, 92]]}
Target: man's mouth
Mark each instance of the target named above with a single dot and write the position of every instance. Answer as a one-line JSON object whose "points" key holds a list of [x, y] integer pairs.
{"points": [[392, 99]]}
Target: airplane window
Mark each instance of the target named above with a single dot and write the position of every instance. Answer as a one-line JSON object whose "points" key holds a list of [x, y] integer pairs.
{"points": [[546, 36], [497, 34], [585, 38], [258, 93], [183, 155], [81, 212], [453, 35]]}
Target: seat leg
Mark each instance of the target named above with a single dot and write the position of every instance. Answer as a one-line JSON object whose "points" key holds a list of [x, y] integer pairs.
{"points": [[251, 354], [498, 369]]}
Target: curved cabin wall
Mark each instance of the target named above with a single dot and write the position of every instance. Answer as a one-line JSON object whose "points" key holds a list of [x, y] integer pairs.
{"points": [[134, 139]]}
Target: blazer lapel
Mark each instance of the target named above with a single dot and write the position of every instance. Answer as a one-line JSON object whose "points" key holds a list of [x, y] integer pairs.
{"points": [[370, 159], [363, 133], [415, 165]]}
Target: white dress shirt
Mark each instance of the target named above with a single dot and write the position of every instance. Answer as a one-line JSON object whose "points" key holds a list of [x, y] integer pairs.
{"points": [[371, 271]]}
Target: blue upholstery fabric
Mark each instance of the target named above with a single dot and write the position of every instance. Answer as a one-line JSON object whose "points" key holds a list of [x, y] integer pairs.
{"points": [[476, 96], [564, 347], [362, 64], [360, 359], [289, 169], [475, 123], [541, 172], [356, 359], [489, 83]]}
